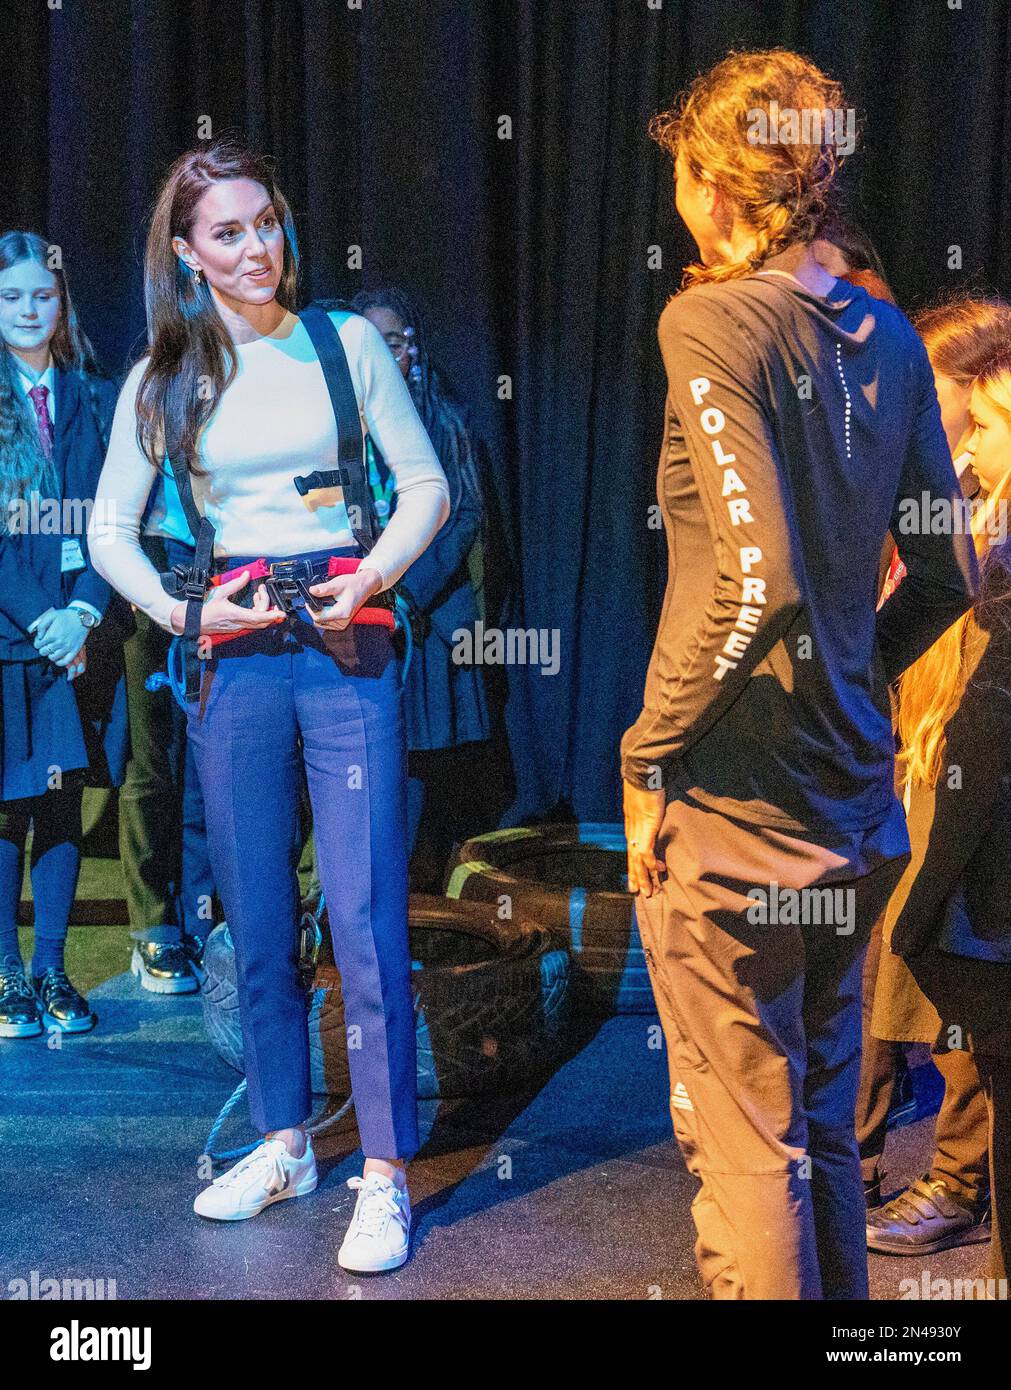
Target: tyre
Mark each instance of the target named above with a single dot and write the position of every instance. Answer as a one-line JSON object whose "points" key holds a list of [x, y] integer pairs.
{"points": [[219, 998], [490, 1002], [573, 880]]}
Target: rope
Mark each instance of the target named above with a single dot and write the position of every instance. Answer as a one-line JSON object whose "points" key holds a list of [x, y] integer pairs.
{"points": [[223, 1114], [321, 1126], [403, 613]]}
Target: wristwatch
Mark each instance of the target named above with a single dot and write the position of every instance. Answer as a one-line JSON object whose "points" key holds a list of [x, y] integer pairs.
{"points": [[86, 616]]}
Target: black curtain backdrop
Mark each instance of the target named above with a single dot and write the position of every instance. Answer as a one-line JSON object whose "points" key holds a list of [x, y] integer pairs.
{"points": [[542, 260]]}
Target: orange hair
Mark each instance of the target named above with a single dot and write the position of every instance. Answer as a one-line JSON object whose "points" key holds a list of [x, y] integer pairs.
{"points": [[963, 335], [780, 189]]}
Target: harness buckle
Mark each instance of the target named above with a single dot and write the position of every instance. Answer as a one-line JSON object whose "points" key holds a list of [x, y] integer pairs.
{"points": [[195, 581], [289, 580]]}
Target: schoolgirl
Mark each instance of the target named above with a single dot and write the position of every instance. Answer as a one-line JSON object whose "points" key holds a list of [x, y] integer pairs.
{"points": [[949, 1204], [61, 632], [951, 924]]}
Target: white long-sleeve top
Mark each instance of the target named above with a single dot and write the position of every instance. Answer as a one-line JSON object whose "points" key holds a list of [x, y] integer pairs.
{"points": [[273, 421]]}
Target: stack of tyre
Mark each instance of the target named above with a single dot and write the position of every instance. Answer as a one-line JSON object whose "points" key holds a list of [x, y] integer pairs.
{"points": [[491, 999], [536, 923], [572, 879]]}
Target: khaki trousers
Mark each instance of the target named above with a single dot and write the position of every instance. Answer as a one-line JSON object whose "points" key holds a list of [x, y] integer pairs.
{"points": [[762, 1025]]}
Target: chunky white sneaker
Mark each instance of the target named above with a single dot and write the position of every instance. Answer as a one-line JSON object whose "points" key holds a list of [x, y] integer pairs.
{"points": [[269, 1174], [380, 1231]]}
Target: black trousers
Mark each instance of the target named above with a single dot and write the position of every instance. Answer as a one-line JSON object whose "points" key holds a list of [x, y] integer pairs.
{"points": [[762, 1024], [971, 996], [962, 1125], [162, 834]]}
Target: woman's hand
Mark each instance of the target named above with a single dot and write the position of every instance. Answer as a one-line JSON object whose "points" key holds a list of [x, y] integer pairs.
{"points": [[349, 592], [60, 635], [221, 615], [644, 811], [79, 665]]}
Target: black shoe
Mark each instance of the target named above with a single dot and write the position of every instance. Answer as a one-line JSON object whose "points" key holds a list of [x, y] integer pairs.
{"points": [[926, 1217], [872, 1191], [164, 967], [19, 1009], [62, 1006]]}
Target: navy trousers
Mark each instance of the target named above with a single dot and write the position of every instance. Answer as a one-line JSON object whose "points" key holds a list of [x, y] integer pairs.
{"points": [[272, 703]]}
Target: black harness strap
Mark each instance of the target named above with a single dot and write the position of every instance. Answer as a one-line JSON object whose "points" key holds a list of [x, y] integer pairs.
{"points": [[191, 584], [350, 473]]}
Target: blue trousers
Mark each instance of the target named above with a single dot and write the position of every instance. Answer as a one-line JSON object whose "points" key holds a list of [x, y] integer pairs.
{"points": [[272, 703]]}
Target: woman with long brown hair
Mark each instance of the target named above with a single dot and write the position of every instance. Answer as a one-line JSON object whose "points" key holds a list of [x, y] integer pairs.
{"points": [[800, 415], [242, 396], [951, 919]]}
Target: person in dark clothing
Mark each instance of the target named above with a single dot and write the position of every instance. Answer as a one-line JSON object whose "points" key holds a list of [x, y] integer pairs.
{"points": [[63, 708], [954, 929], [949, 1204], [170, 894], [801, 423], [846, 251], [445, 703]]}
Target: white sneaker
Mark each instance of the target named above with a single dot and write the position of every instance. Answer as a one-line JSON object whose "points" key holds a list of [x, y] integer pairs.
{"points": [[380, 1231], [269, 1174]]}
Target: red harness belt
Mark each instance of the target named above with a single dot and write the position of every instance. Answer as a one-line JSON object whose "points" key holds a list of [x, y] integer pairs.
{"points": [[287, 583]]}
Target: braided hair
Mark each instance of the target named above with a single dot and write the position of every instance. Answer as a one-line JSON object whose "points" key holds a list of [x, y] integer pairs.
{"points": [[781, 189]]}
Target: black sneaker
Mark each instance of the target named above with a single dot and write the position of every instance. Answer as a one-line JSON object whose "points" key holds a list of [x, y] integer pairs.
{"points": [[19, 1008], [164, 967], [62, 1006], [926, 1217]]}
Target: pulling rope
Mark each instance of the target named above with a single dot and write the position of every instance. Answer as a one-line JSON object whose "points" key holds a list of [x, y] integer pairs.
{"points": [[227, 1155], [311, 940]]}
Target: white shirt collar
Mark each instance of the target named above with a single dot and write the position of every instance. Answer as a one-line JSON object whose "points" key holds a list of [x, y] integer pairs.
{"points": [[48, 378]]}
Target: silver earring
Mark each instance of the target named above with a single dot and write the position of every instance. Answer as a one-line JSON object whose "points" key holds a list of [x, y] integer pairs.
{"points": [[197, 273]]}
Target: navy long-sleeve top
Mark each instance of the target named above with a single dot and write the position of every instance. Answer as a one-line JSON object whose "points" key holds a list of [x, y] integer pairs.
{"points": [[799, 430]]}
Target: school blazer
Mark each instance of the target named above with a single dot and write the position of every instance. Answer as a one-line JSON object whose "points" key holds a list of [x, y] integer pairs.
{"points": [[30, 577]]}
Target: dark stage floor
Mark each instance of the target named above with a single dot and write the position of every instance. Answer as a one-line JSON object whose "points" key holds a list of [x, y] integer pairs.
{"points": [[101, 1137]]}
